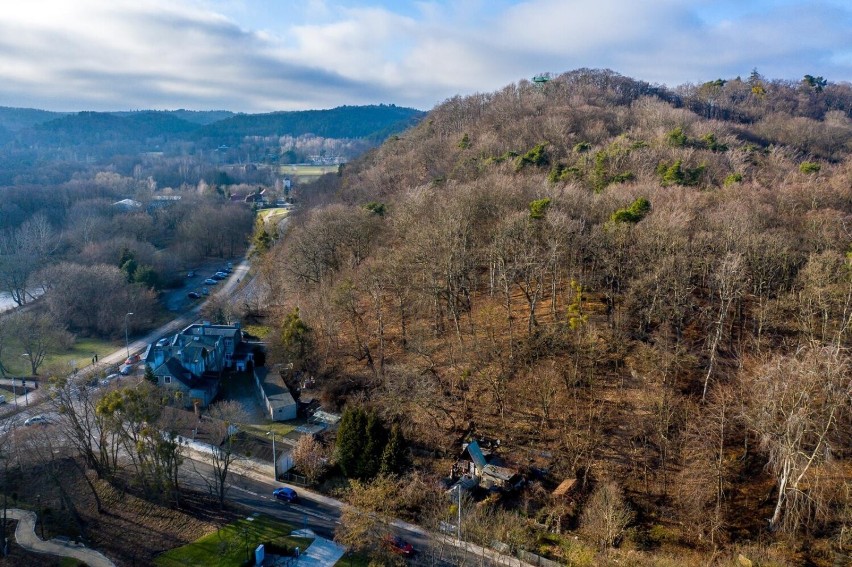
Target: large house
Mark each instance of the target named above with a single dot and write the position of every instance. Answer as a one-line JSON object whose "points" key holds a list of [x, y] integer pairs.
{"points": [[192, 361]]}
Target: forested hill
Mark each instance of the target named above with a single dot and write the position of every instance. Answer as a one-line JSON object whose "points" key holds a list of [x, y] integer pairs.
{"points": [[377, 121], [645, 289], [95, 130]]}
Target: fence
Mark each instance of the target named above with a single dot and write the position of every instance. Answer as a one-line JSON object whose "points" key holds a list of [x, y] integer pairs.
{"points": [[294, 478]]}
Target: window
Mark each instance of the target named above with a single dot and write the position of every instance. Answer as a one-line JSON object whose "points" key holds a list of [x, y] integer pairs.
{"points": [[167, 379]]}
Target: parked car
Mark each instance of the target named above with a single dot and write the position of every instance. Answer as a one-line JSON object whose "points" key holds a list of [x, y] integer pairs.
{"points": [[220, 276], [133, 359], [398, 545], [210, 281], [36, 420], [125, 369], [285, 494], [2, 399], [193, 295], [190, 274]]}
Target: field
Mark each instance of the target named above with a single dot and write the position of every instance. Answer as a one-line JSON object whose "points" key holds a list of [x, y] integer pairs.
{"points": [[78, 356], [273, 216], [232, 544], [305, 173]]}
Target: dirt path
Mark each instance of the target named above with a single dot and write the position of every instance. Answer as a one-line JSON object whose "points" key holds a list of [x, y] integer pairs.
{"points": [[26, 538]]}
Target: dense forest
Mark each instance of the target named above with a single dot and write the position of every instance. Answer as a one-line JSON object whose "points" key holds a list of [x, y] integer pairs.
{"points": [[647, 290]]}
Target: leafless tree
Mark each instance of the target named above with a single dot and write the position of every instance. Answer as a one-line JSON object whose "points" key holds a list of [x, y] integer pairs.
{"points": [[606, 515], [794, 404], [310, 457], [224, 419]]}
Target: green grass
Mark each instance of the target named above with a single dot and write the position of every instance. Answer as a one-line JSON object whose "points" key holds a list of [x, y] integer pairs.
{"points": [[307, 172], [63, 362], [272, 216], [227, 547], [259, 331], [356, 560], [279, 428]]}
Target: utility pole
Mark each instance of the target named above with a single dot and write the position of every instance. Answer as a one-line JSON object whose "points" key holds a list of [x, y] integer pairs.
{"points": [[274, 459], [126, 342]]}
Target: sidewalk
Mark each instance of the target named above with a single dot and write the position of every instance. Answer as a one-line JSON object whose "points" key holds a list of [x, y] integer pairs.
{"points": [[321, 553], [26, 538]]}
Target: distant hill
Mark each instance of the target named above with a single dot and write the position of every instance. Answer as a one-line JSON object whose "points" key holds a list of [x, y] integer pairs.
{"points": [[340, 122], [202, 117], [14, 119], [140, 128]]}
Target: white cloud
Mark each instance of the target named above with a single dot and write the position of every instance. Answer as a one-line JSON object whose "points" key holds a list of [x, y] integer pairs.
{"points": [[254, 55]]}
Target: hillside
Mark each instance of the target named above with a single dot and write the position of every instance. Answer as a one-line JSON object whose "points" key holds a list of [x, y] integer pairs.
{"points": [[624, 284]]}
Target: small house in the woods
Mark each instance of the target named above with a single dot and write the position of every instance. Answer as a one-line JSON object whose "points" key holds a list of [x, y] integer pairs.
{"points": [[485, 468]]}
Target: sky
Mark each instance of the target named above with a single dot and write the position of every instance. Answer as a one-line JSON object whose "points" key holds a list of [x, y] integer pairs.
{"points": [[269, 55]]}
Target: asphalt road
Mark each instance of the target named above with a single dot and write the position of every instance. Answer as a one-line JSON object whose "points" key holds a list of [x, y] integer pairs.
{"points": [[321, 516]]}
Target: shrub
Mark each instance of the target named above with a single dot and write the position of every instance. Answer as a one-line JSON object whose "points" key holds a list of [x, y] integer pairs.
{"points": [[634, 213], [676, 138], [536, 156], [733, 178], [582, 147], [809, 167]]}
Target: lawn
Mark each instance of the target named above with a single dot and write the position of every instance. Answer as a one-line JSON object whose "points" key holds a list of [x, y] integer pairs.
{"points": [[308, 172], [231, 545], [280, 429], [79, 356], [273, 216]]}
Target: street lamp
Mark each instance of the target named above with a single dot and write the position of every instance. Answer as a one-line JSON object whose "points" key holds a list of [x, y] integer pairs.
{"points": [[274, 459], [126, 342], [24, 383], [458, 531]]}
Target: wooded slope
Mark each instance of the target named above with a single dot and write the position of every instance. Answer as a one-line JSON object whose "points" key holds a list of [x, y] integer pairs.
{"points": [[620, 282]]}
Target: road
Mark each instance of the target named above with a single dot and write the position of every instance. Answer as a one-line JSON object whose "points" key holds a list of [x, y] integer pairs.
{"points": [[317, 512], [31, 401]]}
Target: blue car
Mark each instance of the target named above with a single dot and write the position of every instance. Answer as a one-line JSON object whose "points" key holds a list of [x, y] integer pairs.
{"points": [[285, 494]]}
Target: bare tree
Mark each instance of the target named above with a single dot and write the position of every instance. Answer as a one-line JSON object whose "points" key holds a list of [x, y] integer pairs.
{"points": [[727, 287], [794, 404], [224, 417], [309, 457], [606, 515], [38, 334]]}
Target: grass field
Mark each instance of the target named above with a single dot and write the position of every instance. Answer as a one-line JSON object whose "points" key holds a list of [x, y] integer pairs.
{"points": [[231, 545], [79, 356], [272, 216], [279, 428], [307, 172]]}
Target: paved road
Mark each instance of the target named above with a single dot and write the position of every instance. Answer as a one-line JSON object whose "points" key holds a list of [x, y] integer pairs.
{"points": [[26, 537]]}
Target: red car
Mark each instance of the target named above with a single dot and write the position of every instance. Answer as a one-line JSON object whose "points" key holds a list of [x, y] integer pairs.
{"points": [[398, 545]]}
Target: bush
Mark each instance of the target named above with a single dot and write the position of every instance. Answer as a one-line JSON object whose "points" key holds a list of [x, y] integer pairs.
{"points": [[634, 213], [733, 178], [809, 167], [536, 156]]}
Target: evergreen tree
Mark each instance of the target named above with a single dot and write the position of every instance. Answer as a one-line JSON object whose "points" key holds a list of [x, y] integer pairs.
{"points": [[376, 437], [149, 375], [296, 338], [350, 440], [395, 455]]}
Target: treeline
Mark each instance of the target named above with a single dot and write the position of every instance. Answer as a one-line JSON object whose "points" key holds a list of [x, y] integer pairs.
{"points": [[622, 290], [95, 257]]}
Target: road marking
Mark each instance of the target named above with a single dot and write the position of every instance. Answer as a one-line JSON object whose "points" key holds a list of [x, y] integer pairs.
{"points": [[246, 490]]}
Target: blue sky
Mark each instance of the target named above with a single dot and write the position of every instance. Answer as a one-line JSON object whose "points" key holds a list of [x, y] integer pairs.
{"points": [[266, 55]]}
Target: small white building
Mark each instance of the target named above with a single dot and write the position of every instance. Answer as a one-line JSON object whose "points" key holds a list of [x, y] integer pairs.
{"points": [[279, 402]]}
